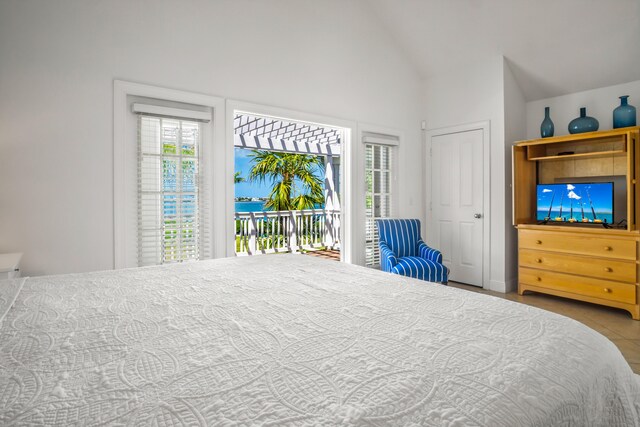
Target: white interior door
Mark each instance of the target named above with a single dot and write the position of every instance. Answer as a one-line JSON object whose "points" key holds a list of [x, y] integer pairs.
{"points": [[457, 198]]}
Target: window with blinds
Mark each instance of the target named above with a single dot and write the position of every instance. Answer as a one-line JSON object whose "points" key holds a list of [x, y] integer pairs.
{"points": [[378, 178], [169, 205]]}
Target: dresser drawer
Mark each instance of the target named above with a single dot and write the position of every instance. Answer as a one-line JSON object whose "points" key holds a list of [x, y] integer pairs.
{"points": [[603, 268], [578, 244], [588, 286]]}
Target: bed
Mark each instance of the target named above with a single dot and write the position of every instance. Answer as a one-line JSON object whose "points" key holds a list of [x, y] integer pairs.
{"points": [[293, 340]]}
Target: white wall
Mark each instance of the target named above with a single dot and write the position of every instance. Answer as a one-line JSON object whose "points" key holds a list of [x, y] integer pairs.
{"points": [[514, 130], [599, 103], [467, 95], [58, 61], [489, 91]]}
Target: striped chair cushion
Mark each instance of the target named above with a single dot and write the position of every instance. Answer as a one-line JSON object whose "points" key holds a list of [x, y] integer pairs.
{"points": [[401, 235], [421, 268]]}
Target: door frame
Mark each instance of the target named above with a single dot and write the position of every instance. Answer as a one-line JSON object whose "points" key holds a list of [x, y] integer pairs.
{"points": [[360, 200], [348, 250], [485, 127], [123, 182]]}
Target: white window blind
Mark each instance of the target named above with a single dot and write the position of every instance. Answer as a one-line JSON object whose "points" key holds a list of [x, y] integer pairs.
{"points": [[170, 206], [378, 178]]}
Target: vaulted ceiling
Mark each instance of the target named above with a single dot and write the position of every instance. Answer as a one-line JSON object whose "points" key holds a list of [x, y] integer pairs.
{"points": [[554, 47]]}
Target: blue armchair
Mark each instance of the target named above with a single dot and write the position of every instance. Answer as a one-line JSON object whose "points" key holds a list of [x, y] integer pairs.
{"points": [[402, 251]]}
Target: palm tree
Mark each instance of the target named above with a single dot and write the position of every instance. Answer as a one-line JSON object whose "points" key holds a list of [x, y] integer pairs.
{"points": [[286, 172], [237, 178]]}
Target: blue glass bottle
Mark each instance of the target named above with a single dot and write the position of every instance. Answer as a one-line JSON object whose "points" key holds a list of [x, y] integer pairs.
{"points": [[583, 123], [624, 115], [546, 127]]}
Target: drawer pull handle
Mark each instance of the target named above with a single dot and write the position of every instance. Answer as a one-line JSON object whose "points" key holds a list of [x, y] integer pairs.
{"points": [[538, 242], [607, 248], [538, 260], [608, 269], [607, 290]]}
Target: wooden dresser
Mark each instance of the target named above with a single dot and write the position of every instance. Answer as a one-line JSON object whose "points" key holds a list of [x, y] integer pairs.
{"points": [[586, 262], [594, 265]]}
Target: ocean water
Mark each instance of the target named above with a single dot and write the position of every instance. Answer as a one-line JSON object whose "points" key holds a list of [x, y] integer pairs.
{"points": [[250, 206], [577, 214], [257, 206]]}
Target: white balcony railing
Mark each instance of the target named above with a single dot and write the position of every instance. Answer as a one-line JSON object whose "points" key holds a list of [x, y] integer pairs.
{"points": [[286, 231]]}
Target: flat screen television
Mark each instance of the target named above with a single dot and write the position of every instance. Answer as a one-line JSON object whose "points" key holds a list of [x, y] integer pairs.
{"points": [[588, 203]]}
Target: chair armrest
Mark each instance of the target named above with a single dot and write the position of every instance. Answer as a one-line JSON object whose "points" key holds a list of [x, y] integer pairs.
{"points": [[429, 253], [388, 259]]}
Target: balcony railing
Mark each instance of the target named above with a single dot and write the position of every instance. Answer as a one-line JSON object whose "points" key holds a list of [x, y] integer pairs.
{"points": [[286, 231]]}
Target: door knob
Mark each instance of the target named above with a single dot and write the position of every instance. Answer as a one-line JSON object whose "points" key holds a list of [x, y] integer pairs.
{"points": [[478, 215]]}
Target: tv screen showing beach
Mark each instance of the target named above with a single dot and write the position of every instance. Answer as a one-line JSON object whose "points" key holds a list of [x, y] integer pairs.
{"points": [[575, 203]]}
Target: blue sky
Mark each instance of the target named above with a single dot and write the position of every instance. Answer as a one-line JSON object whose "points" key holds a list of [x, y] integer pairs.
{"points": [[248, 189]]}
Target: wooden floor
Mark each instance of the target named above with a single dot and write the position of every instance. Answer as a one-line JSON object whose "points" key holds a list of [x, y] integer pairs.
{"points": [[326, 254], [614, 324]]}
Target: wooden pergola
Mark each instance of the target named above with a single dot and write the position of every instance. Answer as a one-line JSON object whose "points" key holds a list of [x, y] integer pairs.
{"points": [[268, 133]]}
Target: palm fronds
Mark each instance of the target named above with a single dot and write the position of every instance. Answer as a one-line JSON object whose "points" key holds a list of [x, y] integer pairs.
{"points": [[293, 177]]}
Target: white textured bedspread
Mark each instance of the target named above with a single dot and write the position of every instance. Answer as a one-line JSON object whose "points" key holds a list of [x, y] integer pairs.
{"points": [[292, 340]]}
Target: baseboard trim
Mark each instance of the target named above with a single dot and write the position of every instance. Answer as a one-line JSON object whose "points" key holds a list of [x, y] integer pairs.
{"points": [[497, 286]]}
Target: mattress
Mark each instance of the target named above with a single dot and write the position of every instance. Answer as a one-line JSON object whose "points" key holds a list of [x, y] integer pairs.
{"points": [[292, 340]]}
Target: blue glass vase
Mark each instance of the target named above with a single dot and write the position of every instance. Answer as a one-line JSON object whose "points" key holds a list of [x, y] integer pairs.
{"points": [[546, 127], [624, 115], [583, 123]]}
